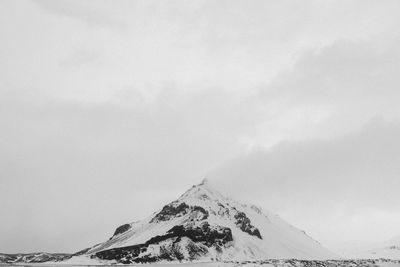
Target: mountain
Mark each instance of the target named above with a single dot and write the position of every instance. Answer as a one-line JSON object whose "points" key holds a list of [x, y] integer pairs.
{"points": [[204, 225]]}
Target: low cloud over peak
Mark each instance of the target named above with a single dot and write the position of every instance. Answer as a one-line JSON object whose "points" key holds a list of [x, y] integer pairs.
{"points": [[326, 181]]}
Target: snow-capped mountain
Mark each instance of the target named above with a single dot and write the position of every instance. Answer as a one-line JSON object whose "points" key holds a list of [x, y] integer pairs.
{"points": [[205, 225]]}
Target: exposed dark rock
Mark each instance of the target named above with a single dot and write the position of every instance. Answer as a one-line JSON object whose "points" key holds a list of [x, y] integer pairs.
{"points": [[195, 251], [81, 252], [244, 223], [131, 254], [122, 229], [209, 236], [173, 210], [200, 235], [169, 211], [203, 233], [202, 210]]}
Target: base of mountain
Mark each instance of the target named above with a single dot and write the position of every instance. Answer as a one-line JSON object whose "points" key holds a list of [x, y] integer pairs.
{"points": [[63, 259]]}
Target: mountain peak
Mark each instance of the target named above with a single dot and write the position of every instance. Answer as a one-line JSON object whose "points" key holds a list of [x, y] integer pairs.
{"points": [[203, 224], [202, 192], [204, 181]]}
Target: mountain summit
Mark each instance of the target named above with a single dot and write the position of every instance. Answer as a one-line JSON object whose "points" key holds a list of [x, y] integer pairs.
{"points": [[202, 224]]}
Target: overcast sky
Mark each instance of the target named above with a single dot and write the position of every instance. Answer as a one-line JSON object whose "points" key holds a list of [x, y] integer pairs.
{"points": [[111, 109]]}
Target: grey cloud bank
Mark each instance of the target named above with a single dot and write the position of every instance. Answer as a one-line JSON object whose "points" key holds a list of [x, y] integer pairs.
{"points": [[339, 186]]}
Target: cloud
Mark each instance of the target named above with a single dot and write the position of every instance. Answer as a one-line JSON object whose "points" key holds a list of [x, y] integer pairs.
{"points": [[325, 182], [79, 58], [334, 90], [344, 72], [83, 11], [94, 119], [68, 159]]}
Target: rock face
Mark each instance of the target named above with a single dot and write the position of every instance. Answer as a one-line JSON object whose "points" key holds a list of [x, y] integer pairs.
{"points": [[122, 229], [176, 209], [195, 239], [205, 225], [244, 224]]}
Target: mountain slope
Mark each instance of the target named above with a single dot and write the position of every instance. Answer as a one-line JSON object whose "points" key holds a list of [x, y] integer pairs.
{"points": [[205, 225]]}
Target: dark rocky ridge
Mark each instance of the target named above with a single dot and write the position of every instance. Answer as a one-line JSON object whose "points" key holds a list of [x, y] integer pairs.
{"points": [[169, 211], [241, 220], [201, 237], [173, 210], [244, 223], [122, 229]]}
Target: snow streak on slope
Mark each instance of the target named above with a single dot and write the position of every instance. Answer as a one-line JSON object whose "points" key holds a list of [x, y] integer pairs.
{"points": [[203, 224]]}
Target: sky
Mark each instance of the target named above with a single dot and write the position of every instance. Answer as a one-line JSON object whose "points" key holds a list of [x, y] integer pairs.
{"points": [[109, 110]]}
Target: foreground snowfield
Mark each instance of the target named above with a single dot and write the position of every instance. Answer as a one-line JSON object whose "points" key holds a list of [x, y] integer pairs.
{"points": [[389, 249]]}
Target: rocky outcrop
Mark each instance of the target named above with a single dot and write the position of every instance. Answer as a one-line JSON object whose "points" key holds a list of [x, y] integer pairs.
{"points": [[209, 236], [244, 223], [170, 211], [122, 229], [198, 240], [174, 210]]}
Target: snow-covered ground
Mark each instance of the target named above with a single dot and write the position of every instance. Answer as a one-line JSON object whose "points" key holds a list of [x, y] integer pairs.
{"points": [[389, 249], [266, 263]]}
